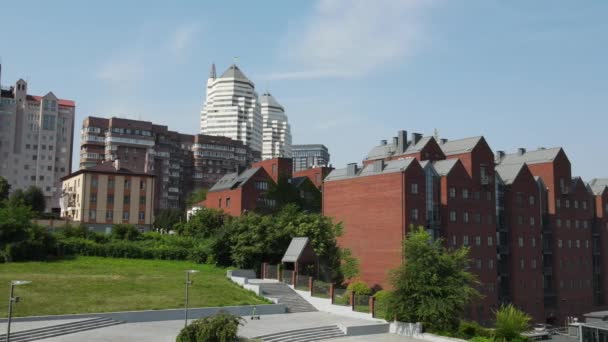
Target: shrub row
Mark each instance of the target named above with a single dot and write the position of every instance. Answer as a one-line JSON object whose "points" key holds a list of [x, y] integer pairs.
{"points": [[133, 250]]}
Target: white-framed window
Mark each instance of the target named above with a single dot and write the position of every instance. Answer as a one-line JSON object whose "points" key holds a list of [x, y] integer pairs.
{"points": [[585, 224], [533, 241], [478, 240], [559, 243], [490, 241], [577, 224], [578, 243], [575, 204], [586, 243], [452, 192], [568, 225], [522, 264], [567, 203], [478, 263], [531, 200], [465, 217], [558, 203], [520, 241], [532, 221], [465, 240], [491, 264], [454, 243], [414, 188], [453, 216], [533, 263], [465, 193], [569, 243], [414, 214]]}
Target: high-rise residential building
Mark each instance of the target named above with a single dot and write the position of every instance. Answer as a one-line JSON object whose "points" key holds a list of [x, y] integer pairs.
{"points": [[309, 155], [36, 136], [181, 162], [232, 108], [276, 132]]}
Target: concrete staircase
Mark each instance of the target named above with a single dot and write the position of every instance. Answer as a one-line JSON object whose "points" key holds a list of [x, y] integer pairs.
{"points": [[304, 335], [287, 296], [60, 329]]}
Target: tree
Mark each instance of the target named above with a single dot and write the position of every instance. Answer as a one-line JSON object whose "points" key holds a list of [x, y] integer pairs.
{"points": [[196, 196], [510, 323], [167, 218], [204, 223], [34, 197], [433, 285], [20, 239], [349, 265], [5, 188], [283, 193]]}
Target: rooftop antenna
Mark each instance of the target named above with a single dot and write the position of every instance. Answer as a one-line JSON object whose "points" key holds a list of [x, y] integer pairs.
{"points": [[436, 134], [235, 59]]}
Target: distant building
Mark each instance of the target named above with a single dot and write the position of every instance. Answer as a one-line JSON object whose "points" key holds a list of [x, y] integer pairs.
{"points": [[232, 108], [108, 194], [277, 132], [310, 155], [36, 137], [181, 162]]}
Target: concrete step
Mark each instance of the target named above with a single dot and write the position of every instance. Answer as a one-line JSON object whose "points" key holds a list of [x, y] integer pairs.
{"points": [[286, 295], [60, 329], [304, 335]]}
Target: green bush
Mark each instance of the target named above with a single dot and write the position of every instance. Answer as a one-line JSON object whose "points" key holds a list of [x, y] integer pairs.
{"points": [[221, 327], [510, 323], [125, 232], [79, 231], [481, 339], [470, 329], [381, 305], [359, 288]]}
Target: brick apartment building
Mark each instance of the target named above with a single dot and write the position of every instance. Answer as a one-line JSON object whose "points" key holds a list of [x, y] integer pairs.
{"points": [[246, 190], [527, 221], [315, 174], [181, 162]]}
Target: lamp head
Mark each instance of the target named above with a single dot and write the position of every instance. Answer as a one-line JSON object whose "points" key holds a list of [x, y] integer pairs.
{"points": [[19, 282]]}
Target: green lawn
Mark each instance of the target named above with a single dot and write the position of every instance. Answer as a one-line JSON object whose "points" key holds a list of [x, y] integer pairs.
{"points": [[92, 284]]}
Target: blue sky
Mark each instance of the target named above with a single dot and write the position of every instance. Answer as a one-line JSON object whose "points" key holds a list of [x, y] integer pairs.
{"points": [[349, 73]]}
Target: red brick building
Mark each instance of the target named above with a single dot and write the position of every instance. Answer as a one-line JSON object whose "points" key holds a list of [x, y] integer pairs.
{"points": [[377, 204], [315, 174], [531, 227]]}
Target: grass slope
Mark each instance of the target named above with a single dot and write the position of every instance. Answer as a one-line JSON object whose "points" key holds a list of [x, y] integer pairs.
{"points": [[92, 284]]}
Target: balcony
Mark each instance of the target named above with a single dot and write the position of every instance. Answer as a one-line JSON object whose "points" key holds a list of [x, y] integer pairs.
{"points": [[547, 249], [503, 249], [548, 270]]}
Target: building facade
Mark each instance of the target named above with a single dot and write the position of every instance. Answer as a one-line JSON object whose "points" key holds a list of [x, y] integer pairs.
{"points": [[310, 155], [108, 194], [276, 132], [232, 108], [536, 235], [36, 137], [181, 162]]}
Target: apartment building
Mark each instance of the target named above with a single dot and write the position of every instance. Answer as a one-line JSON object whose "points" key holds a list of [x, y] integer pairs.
{"points": [[36, 137], [108, 194], [181, 162], [315, 174], [531, 227], [309, 155]]}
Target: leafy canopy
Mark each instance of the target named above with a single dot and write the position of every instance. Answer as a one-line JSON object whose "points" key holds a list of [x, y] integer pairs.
{"points": [[432, 285]]}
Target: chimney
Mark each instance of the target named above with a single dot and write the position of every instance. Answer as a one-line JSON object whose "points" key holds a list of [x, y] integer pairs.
{"points": [[383, 142], [401, 141], [239, 169], [117, 164], [521, 151], [416, 138], [351, 169], [378, 165], [443, 141], [499, 156], [395, 141]]}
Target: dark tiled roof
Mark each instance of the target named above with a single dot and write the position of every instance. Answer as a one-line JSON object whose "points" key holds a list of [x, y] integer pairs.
{"points": [[460, 146], [598, 185], [234, 180], [531, 157], [509, 172], [397, 165]]}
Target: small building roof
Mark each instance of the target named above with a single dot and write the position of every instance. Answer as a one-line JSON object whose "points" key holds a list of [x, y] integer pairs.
{"points": [[598, 185], [233, 71], [397, 165], [443, 167], [460, 146], [270, 101], [509, 172], [390, 150], [234, 180], [295, 249], [542, 155], [107, 168]]}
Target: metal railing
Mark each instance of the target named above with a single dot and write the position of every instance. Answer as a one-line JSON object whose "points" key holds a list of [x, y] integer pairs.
{"points": [[320, 289], [301, 282], [341, 297], [272, 271], [361, 303], [287, 276]]}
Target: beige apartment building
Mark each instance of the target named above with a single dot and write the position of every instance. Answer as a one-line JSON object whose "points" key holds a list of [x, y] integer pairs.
{"points": [[108, 194], [36, 137]]}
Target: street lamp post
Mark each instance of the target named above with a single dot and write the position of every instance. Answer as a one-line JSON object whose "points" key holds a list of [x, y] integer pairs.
{"points": [[11, 300], [188, 283]]}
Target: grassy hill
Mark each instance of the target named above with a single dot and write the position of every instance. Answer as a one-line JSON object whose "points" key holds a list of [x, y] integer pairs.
{"points": [[92, 284]]}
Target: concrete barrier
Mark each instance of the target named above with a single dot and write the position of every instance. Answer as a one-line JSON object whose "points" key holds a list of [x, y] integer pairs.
{"points": [[165, 315], [366, 329], [250, 274]]}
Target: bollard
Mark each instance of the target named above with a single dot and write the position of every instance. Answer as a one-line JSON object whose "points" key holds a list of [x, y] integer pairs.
{"points": [[352, 300], [331, 292], [294, 278], [372, 304], [310, 285]]}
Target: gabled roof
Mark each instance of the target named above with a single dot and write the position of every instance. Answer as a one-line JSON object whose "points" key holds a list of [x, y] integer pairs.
{"points": [[298, 181], [295, 249], [508, 173], [460, 146], [576, 181], [390, 150], [234, 72], [234, 180], [391, 166], [107, 168], [598, 185], [443, 167], [531, 157]]}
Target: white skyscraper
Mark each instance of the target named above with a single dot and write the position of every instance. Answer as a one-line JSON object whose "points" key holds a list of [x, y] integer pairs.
{"points": [[276, 132], [232, 108]]}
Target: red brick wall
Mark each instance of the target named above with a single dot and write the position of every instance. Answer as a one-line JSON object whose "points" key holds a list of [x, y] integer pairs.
{"points": [[213, 201], [602, 231], [315, 174], [375, 213], [276, 167], [526, 284]]}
